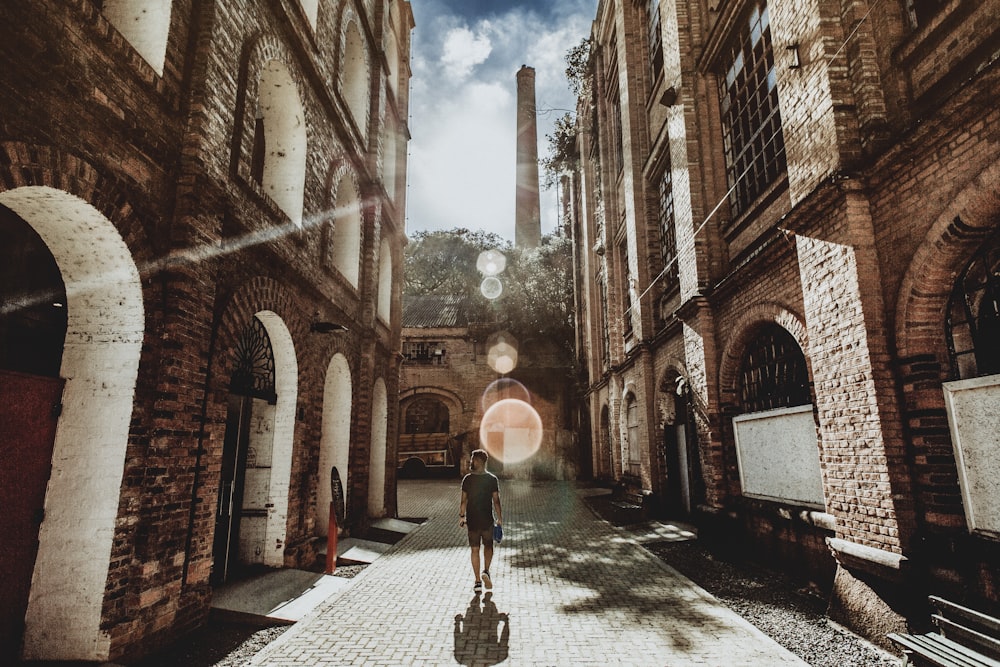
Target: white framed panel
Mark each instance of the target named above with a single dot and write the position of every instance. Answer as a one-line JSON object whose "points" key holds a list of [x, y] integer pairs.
{"points": [[778, 455], [974, 419]]}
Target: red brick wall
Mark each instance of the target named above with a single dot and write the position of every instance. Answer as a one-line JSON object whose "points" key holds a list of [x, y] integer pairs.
{"points": [[162, 158]]}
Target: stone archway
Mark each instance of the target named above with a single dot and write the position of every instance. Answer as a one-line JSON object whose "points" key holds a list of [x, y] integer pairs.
{"points": [[105, 328]]}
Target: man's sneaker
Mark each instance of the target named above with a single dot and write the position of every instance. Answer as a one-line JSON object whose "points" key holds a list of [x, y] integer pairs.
{"points": [[478, 587], [487, 580]]}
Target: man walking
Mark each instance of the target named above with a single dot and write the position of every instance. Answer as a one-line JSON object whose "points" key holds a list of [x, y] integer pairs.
{"points": [[480, 511]]}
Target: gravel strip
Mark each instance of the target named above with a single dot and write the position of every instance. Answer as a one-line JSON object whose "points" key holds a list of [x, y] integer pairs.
{"points": [[792, 615]]}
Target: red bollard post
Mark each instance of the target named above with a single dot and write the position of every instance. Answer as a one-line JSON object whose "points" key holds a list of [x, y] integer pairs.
{"points": [[331, 542]]}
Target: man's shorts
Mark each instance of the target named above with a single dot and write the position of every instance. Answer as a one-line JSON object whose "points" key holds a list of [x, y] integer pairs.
{"points": [[484, 536]]}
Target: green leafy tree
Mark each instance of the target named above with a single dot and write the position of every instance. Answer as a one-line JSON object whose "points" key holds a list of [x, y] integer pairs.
{"points": [[444, 263], [562, 156], [538, 294], [537, 298]]}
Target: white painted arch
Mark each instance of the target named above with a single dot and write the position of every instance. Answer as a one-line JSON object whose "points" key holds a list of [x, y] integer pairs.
{"points": [[286, 383], [380, 429], [145, 24], [347, 231], [285, 139], [100, 365], [357, 75], [384, 306], [335, 436]]}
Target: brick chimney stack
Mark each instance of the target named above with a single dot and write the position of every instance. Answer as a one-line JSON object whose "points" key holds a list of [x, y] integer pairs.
{"points": [[527, 216]]}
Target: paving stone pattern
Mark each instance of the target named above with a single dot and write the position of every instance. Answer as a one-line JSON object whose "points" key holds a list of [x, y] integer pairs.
{"points": [[569, 589]]}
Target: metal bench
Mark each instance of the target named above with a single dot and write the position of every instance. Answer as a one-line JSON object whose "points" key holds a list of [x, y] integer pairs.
{"points": [[964, 638]]}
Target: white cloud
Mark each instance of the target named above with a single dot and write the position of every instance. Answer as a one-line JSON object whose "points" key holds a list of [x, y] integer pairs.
{"points": [[462, 106], [462, 50]]}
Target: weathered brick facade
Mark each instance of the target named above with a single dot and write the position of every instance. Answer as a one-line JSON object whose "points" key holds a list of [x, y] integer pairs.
{"points": [[195, 167], [447, 361], [868, 149]]}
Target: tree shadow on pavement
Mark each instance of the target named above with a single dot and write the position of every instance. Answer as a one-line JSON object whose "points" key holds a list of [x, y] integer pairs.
{"points": [[482, 635]]}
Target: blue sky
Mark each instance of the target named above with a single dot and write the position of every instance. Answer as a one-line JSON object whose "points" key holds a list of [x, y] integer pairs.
{"points": [[465, 56]]}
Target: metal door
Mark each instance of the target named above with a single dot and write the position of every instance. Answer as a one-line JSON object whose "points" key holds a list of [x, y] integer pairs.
{"points": [[234, 459]]}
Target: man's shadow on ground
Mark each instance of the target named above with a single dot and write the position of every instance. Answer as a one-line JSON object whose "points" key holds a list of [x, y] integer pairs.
{"points": [[479, 639]]}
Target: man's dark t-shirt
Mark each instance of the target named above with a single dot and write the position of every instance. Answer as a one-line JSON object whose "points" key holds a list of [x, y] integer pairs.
{"points": [[479, 510]]}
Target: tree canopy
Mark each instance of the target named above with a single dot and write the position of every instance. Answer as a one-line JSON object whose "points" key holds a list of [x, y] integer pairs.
{"points": [[537, 297]]}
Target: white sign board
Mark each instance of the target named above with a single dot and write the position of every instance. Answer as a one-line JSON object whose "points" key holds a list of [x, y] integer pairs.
{"points": [[778, 455], [974, 417]]}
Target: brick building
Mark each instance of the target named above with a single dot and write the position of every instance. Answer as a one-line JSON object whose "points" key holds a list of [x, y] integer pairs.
{"points": [[454, 371], [201, 207], [786, 225]]}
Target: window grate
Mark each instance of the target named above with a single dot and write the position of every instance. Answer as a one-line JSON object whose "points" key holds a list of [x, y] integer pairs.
{"points": [[424, 352], [774, 373], [973, 321], [253, 372]]}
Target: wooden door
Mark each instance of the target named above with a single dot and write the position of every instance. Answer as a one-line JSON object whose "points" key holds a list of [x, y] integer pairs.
{"points": [[29, 410]]}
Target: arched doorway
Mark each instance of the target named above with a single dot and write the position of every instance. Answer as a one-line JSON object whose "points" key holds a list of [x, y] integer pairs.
{"points": [[679, 452], [246, 452], [335, 439], [32, 334], [101, 342], [252, 511]]}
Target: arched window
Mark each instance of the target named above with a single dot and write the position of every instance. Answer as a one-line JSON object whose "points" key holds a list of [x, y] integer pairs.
{"points": [[389, 140], [32, 301], [347, 232], [973, 318], [607, 465], [356, 73], [384, 305], [310, 7], [279, 158], [145, 24], [391, 49], [774, 374]]}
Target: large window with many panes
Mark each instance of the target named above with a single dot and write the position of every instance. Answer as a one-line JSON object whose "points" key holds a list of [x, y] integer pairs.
{"points": [[748, 97], [668, 234], [655, 38], [613, 96]]}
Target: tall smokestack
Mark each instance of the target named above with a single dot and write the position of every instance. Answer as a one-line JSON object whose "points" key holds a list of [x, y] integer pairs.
{"points": [[527, 216]]}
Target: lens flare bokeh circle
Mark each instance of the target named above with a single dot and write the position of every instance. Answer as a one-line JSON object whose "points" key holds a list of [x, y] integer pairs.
{"points": [[502, 388], [491, 262], [502, 358], [511, 431], [491, 287]]}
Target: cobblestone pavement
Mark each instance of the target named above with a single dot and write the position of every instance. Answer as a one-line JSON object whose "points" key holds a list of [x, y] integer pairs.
{"points": [[569, 589]]}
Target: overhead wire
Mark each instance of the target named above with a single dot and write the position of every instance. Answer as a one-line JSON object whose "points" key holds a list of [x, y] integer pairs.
{"points": [[736, 182]]}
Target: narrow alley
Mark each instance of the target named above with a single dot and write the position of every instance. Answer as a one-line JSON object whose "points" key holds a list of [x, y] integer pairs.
{"points": [[569, 589]]}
